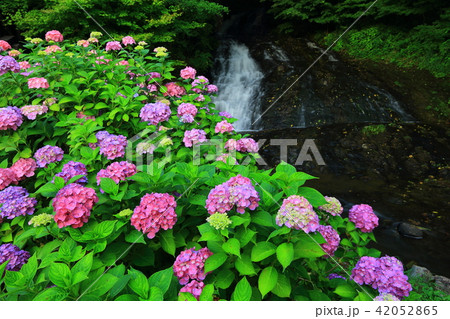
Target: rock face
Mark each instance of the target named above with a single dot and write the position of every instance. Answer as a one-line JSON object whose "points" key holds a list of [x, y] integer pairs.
{"points": [[442, 283], [409, 230], [420, 272]]}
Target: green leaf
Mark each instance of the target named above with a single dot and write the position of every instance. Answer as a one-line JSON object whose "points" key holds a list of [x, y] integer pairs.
{"points": [[48, 190], [156, 294], [267, 280], [139, 283], [109, 186], [215, 261], [345, 291], [262, 218], [119, 285], [306, 247], [102, 285], [224, 279], [242, 291], [135, 237], [104, 229], [283, 287], [168, 242], [313, 196], [82, 268], [52, 294], [60, 275], [186, 296], [161, 279], [29, 269], [262, 250], [207, 293], [232, 246], [245, 266], [285, 254]]}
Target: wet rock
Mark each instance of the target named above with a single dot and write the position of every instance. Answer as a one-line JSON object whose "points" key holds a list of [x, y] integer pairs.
{"points": [[420, 272], [409, 230], [442, 283]]}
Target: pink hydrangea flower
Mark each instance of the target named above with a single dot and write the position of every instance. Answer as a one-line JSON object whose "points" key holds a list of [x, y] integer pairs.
{"points": [[152, 88], [10, 118], [48, 154], [247, 145], [14, 53], [333, 206], [112, 146], [224, 127], [4, 45], [83, 43], [128, 40], [194, 287], [187, 112], [7, 177], [211, 88], [37, 83], [72, 169], [24, 65], [117, 171], [332, 238], [81, 115], [73, 205], [296, 212], [200, 98], [155, 113], [24, 167], [188, 73], [52, 49], [224, 158], [173, 89], [363, 217], [199, 84], [231, 144], [123, 62], [113, 45], [30, 111], [194, 136], [237, 191], [155, 211], [190, 265], [54, 35]]}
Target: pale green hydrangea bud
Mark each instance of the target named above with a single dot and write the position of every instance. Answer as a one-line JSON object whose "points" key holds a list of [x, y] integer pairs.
{"points": [[166, 141], [36, 40], [219, 221], [126, 212], [42, 53], [139, 48], [69, 54], [142, 43], [95, 34], [41, 220]]}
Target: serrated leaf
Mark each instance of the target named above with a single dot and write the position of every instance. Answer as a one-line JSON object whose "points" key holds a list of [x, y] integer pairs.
{"points": [[52, 294], [161, 279], [168, 242], [262, 250], [215, 261], [245, 266], [345, 291], [267, 280], [283, 287], [242, 291], [207, 293], [285, 254], [60, 275], [232, 246]]}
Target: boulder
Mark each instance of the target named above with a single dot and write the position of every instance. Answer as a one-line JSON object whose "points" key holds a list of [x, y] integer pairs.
{"points": [[420, 272], [409, 230], [442, 283]]}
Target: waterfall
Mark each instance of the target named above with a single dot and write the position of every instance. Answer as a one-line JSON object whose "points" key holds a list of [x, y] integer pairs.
{"points": [[239, 81]]}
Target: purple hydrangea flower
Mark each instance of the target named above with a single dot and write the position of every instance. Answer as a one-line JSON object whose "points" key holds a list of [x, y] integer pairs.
{"points": [[386, 297], [335, 276], [112, 146], [332, 238], [48, 154], [194, 136], [72, 169], [17, 258], [8, 63], [296, 212], [30, 111], [10, 118], [363, 217], [155, 113], [15, 202], [225, 115], [186, 112]]}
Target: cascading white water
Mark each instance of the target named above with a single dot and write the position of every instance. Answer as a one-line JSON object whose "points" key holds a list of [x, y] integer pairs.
{"points": [[239, 82]]}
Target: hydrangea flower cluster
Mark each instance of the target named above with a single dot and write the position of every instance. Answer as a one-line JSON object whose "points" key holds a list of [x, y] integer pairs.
{"points": [[363, 217], [7, 177], [173, 89], [247, 145], [52, 49], [24, 167], [54, 35], [117, 171], [190, 265], [219, 221], [4, 45], [225, 157], [128, 40], [145, 148], [72, 169], [10, 118], [8, 63], [37, 83], [386, 297], [237, 191], [384, 274], [199, 84], [16, 202], [41, 220], [225, 115], [211, 88], [194, 136], [332, 238], [112, 146], [154, 212], [155, 113], [30, 111], [186, 112], [113, 45], [160, 51], [48, 154], [14, 53], [224, 127], [73, 205], [296, 212], [335, 276], [194, 287], [24, 65], [333, 206], [188, 73], [83, 43], [17, 258]]}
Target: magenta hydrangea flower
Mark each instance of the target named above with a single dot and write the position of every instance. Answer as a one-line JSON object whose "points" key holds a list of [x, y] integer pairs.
{"points": [[155, 113], [211, 88], [73, 205], [173, 89], [48, 154], [188, 73], [247, 145], [386, 297], [72, 169], [4, 45], [186, 112], [113, 45], [8, 63], [237, 191], [154, 212], [296, 212], [363, 217], [24, 65], [194, 136], [199, 84], [30, 111], [194, 287], [7, 177], [224, 127], [112, 146], [24, 167], [128, 40], [333, 207], [190, 265], [117, 171], [10, 118], [15, 201], [16, 257], [153, 75], [54, 35], [332, 238], [37, 83]]}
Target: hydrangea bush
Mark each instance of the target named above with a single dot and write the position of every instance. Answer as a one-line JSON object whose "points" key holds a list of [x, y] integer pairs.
{"points": [[111, 188]]}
